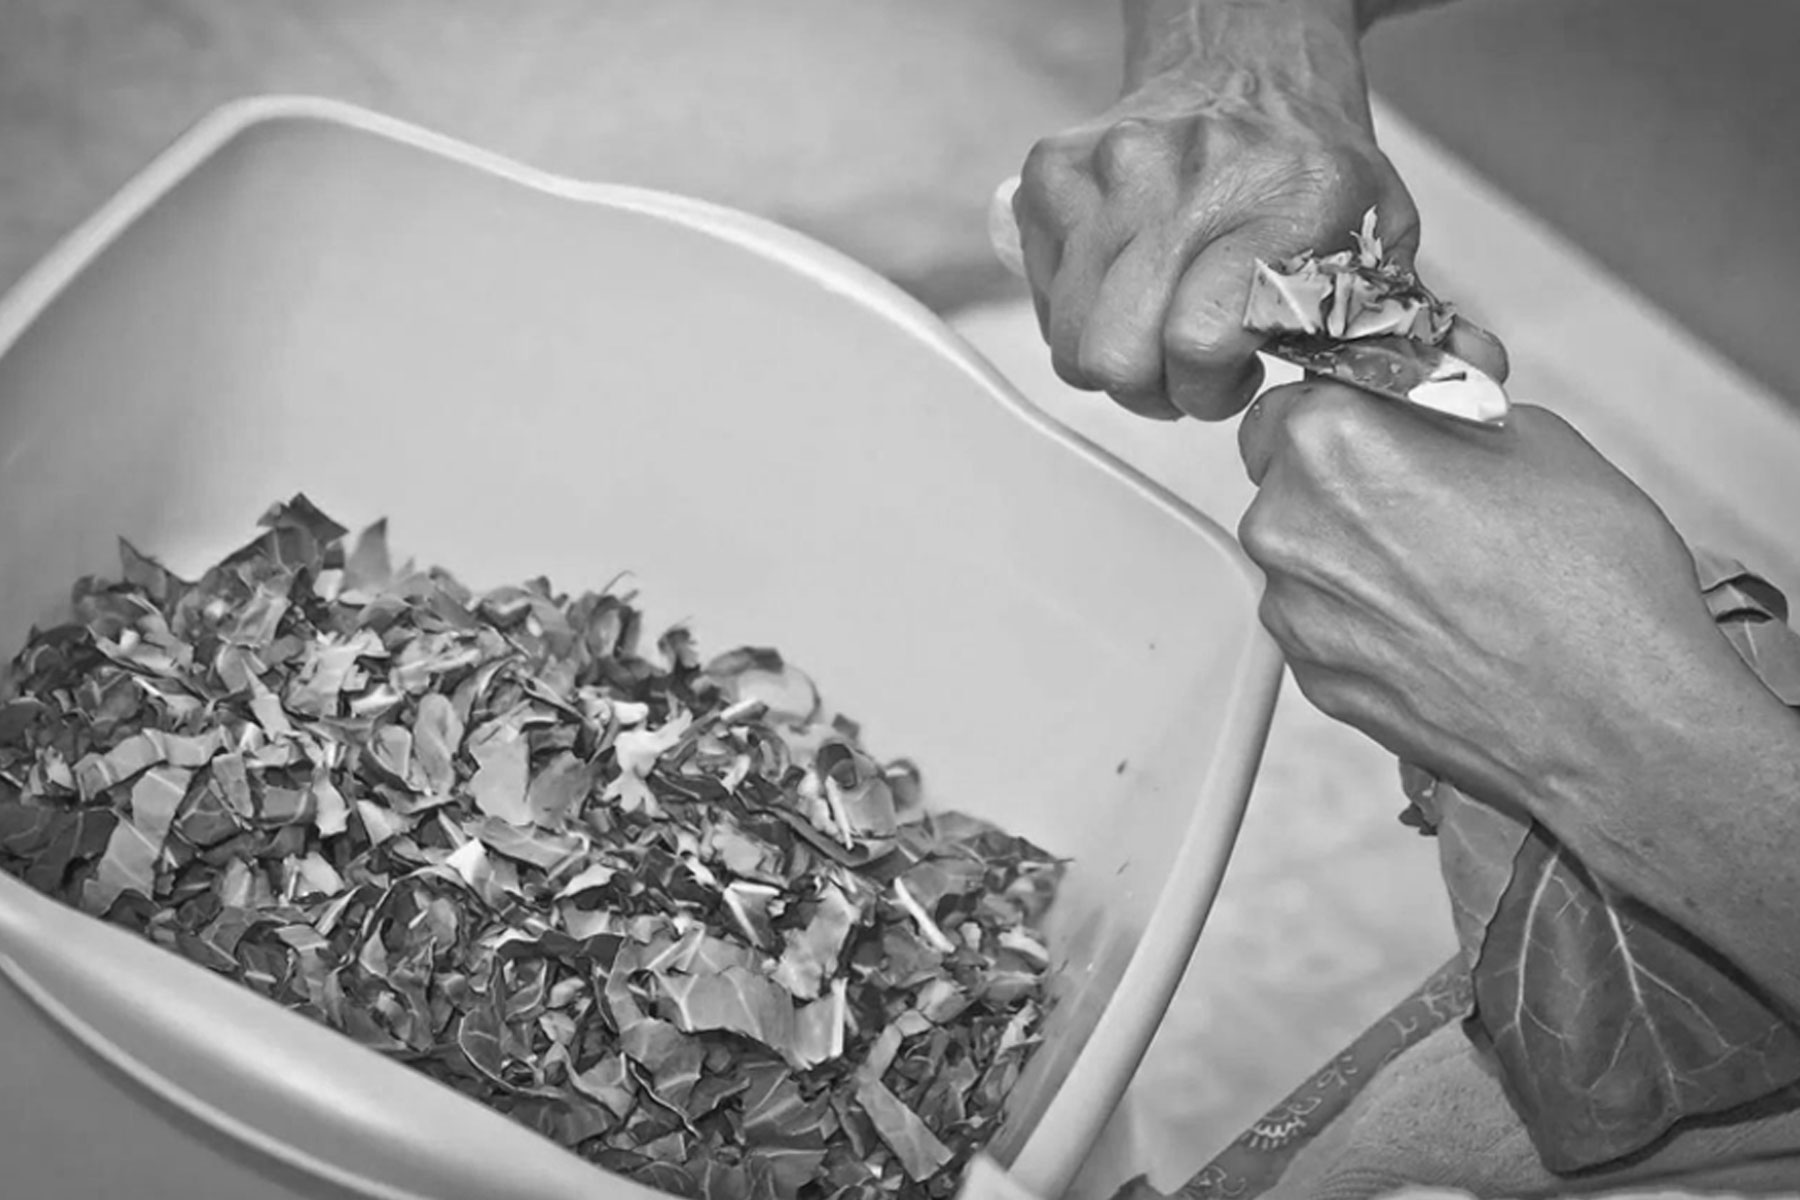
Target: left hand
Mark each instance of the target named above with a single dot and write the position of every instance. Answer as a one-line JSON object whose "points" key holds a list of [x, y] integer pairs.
{"points": [[1501, 607]]}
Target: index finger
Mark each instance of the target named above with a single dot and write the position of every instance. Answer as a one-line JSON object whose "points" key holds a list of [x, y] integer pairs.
{"points": [[1210, 360]]}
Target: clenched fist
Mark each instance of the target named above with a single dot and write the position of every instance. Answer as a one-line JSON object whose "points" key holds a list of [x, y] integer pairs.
{"points": [[1244, 133], [1502, 607]]}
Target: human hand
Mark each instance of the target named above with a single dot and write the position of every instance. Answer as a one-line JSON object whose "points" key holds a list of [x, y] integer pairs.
{"points": [[1140, 229], [1502, 607]]}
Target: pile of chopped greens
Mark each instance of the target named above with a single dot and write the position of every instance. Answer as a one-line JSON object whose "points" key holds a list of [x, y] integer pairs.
{"points": [[671, 915], [1350, 295]]}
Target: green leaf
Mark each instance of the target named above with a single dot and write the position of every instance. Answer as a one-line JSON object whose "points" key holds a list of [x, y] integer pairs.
{"points": [[25, 829], [503, 760], [379, 824], [207, 820], [1294, 303], [437, 734], [129, 865], [98, 772], [1746, 599], [812, 952], [1713, 569], [608, 1083], [536, 847], [759, 674], [929, 882], [1645, 1025], [594, 875], [775, 1112], [155, 799], [148, 576], [331, 812], [1345, 296], [1478, 845], [676, 1075], [315, 691], [735, 999], [637, 752], [819, 1030], [742, 854], [920, 1153], [1609, 1021], [391, 750], [557, 792], [478, 1036], [945, 1104], [1772, 650], [285, 806], [232, 775], [368, 567]]}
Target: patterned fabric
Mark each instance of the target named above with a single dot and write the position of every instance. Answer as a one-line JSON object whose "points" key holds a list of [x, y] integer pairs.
{"points": [[1753, 616], [1253, 1163]]}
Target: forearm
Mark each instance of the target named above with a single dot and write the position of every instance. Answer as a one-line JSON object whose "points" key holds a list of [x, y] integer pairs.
{"points": [[1315, 37], [1310, 44], [1694, 809]]}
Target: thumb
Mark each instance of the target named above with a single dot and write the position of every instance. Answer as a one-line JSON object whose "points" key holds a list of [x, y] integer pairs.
{"points": [[1479, 348]]}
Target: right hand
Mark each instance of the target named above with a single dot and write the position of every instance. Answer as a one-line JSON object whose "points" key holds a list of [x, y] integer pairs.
{"points": [[1141, 228]]}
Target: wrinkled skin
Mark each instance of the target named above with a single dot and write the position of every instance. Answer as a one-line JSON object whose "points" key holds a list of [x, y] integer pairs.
{"points": [[1421, 578], [1140, 228], [1509, 611]]}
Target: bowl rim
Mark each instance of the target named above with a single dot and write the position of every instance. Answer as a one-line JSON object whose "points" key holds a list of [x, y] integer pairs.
{"points": [[1066, 1131]]}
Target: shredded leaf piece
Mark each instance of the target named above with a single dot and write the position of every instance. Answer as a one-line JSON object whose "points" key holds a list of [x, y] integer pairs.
{"points": [[1357, 293]]}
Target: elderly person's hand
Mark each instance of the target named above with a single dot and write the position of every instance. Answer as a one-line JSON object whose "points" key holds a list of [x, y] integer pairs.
{"points": [[1509, 611], [1475, 600], [1244, 133]]}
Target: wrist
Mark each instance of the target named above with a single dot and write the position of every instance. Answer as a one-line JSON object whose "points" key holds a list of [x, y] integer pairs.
{"points": [[1306, 48], [1684, 790]]}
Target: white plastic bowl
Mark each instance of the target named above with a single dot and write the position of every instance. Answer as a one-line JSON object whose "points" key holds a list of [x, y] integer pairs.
{"points": [[532, 375]]}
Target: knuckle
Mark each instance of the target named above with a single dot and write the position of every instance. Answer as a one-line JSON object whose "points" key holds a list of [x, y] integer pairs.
{"points": [[1053, 166], [1322, 428], [1068, 369], [1127, 148], [1265, 540], [1227, 138]]}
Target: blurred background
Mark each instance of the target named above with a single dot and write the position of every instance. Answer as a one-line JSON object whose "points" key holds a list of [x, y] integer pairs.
{"points": [[1648, 130], [1606, 183]]}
